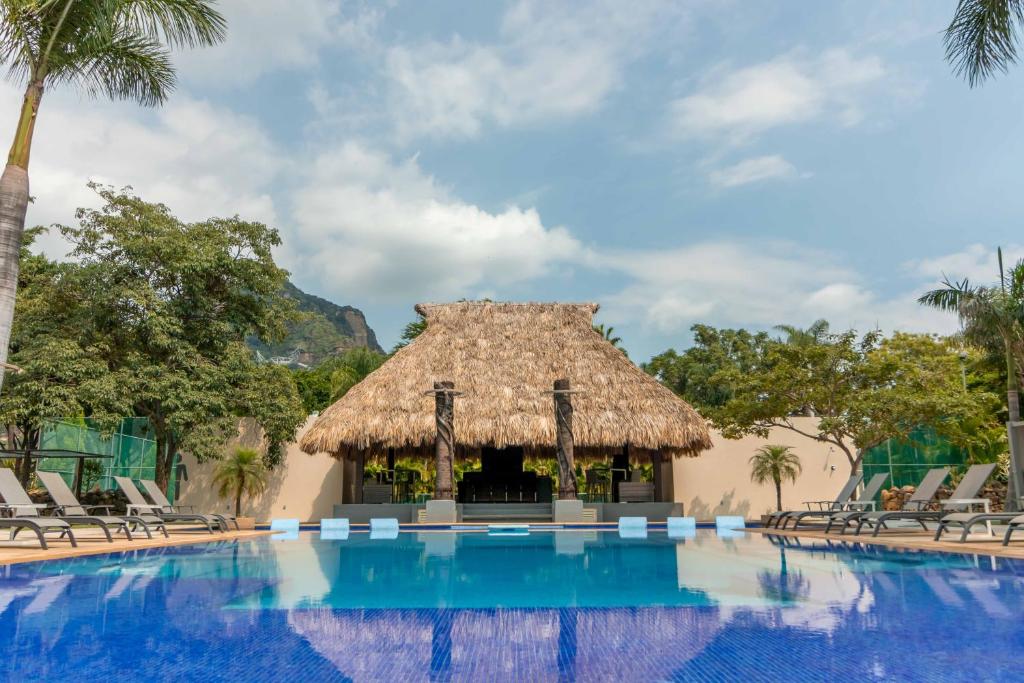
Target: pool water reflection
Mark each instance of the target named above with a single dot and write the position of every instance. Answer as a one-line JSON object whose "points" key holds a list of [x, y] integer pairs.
{"points": [[565, 605]]}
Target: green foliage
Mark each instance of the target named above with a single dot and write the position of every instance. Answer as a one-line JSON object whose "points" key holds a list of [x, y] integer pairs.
{"points": [[326, 383], [815, 334], [983, 36], [242, 472], [160, 309], [116, 48], [775, 464], [411, 331], [862, 391], [608, 333], [92, 472], [699, 374]]}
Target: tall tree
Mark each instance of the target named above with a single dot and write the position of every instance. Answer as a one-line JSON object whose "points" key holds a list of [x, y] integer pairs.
{"points": [[992, 317], [862, 391], [775, 464], [983, 37], [172, 304], [60, 378], [113, 48], [608, 333], [696, 374]]}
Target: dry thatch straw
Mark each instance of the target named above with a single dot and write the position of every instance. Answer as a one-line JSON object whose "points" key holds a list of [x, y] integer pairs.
{"points": [[504, 358]]}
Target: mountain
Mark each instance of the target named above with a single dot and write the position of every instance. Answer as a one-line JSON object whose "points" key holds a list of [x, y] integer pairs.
{"points": [[329, 330]]}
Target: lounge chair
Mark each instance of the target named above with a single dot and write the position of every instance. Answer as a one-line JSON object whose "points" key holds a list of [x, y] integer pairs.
{"points": [[70, 510], [1013, 525], [923, 495], [965, 521], [966, 490], [783, 516], [865, 500], [25, 512], [137, 504], [158, 497]]}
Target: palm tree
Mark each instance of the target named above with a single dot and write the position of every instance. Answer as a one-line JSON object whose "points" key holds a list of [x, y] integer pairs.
{"points": [[982, 38], [992, 317], [113, 48], [774, 464], [355, 365], [803, 338], [242, 472], [608, 333]]}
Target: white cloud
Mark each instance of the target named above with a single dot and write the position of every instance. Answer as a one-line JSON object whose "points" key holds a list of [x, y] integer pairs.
{"points": [[269, 35], [199, 159], [550, 61], [753, 170], [976, 262], [741, 103], [365, 222], [755, 284]]}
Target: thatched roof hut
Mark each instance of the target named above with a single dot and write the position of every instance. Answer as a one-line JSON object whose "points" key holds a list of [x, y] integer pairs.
{"points": [[504, 358]]}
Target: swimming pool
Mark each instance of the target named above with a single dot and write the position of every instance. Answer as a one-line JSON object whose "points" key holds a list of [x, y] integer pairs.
{"points": [[555, 605]]}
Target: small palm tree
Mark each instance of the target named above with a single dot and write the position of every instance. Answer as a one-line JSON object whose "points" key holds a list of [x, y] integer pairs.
{"points": [[242, 472], [609, 336], [814, 334], [120, 49], [772, 463]]}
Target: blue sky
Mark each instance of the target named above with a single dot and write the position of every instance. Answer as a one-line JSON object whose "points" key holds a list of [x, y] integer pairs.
{"points": [[734, 163]]}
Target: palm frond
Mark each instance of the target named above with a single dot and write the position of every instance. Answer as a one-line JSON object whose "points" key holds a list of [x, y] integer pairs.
{"points": [[124, 67], [982, 38], [180, 23]]}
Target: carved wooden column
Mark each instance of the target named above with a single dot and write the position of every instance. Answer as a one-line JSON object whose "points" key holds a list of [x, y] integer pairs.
{"points": [[444, 441], [567, 485]]}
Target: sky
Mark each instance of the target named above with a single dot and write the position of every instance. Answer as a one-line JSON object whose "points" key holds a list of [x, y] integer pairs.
{"points": [[730, 163]]}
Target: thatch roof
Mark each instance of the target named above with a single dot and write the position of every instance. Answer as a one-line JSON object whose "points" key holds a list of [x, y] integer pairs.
{"points": [[504, 358]]}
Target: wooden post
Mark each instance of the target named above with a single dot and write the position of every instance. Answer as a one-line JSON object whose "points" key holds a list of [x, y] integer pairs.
{"points": [[444, 440], [564, 441]]}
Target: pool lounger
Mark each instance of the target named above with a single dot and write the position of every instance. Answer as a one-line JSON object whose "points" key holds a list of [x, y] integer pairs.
{"points": [[923, 495], [966, 490], [334, 529], [25, 512], [1011, 526], [865, 500], [70, 510], [632, 527], [137, 504], [782, 517], [383, 528], [681, 527], [158, 497]]}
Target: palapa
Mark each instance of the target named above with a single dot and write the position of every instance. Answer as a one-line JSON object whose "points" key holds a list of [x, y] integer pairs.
{"points": [[503, 359]]}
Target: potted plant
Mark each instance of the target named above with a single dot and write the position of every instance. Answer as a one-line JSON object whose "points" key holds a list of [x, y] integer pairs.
{"points": [[242, 472], [772, 463]]}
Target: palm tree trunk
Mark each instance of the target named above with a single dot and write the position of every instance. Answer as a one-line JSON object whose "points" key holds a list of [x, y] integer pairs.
{"points": [[778, 494], [13, 205], [238, 500]]}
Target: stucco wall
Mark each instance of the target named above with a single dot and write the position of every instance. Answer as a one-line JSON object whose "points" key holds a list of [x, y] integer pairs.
{"points": [[718, 481], [305, 487]]}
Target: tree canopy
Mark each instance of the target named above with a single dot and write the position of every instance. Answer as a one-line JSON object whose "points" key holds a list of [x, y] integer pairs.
{"points": [[862, 390], [161, 308]]}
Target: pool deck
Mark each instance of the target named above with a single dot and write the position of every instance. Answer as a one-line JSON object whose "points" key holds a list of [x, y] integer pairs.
{"points": [[25, 548], [911, 539]]}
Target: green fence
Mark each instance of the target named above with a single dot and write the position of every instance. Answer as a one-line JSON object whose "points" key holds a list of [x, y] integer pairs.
{"points": [[906, 462], [128, 451]]}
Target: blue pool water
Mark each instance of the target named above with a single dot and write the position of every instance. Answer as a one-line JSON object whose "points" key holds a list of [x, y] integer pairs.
{"points": [[550, 606]]}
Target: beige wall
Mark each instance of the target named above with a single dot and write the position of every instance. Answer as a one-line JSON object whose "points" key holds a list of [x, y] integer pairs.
{"points": [[718, 481], [303, 486]]}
